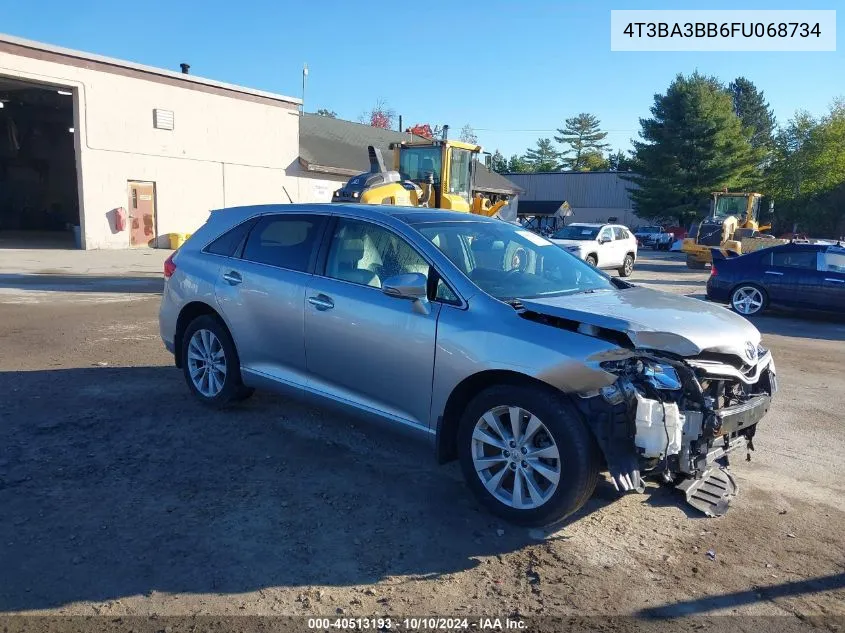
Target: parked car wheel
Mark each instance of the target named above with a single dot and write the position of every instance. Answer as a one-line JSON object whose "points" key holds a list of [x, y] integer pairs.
{"points": [[748, 299], [591, 260], [627, 266], [210, 363], [694, 264], [527, 455]]}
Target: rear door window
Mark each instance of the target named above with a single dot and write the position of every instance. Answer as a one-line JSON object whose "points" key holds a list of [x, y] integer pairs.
{"points": [[285, 240], [620, 233], [798, 259]]}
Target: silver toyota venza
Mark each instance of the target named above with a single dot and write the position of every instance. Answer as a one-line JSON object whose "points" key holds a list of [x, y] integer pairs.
{"points": [[506, 352]]}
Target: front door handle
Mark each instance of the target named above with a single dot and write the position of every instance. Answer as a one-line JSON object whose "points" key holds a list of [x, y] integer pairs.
{"points": [[233, 278], [321, 302], [774, 272]]}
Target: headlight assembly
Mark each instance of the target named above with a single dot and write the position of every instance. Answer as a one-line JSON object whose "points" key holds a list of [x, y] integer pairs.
{"points": [[659, 375]]}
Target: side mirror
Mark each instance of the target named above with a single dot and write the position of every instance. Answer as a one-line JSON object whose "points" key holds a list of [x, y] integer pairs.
{"points": [[603, 240], [406, 286], [413, 286]]}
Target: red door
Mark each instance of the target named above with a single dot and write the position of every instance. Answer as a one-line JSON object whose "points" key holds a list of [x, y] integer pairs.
{"points": [[142, 213]]}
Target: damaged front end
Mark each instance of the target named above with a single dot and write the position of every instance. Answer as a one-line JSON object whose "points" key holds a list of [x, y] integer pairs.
{"points": [[679, 418]]}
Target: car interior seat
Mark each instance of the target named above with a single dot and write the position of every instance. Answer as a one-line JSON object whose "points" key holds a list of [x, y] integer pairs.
{"points": [[345, 264]]}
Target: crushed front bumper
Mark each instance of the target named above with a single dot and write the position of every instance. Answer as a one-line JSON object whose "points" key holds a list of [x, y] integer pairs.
{"points": [[684, 435]]}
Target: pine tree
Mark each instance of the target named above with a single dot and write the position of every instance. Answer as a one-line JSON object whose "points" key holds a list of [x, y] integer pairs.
{"points": [[498, 162], [753, 110], [517, 165], [544, 157], [692, 145], [583, 136]]}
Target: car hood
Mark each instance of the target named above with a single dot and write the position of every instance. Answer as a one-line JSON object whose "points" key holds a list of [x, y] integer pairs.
{"points": [[568, 243], [656, 320]]}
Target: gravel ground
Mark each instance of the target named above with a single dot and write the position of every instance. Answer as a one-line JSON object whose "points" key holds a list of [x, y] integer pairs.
{"points": [[120, 496]]}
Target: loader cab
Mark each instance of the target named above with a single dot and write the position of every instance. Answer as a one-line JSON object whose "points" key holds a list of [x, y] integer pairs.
{"points": [[745, 207], [448, 165]]}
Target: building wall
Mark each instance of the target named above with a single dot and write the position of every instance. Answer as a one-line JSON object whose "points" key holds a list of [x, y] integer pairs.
{"points": [[223, 150], [593, 196], [318, 187]]}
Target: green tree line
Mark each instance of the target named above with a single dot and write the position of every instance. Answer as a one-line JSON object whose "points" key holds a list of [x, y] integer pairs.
{"points": [[579, 146], [704, 136]]}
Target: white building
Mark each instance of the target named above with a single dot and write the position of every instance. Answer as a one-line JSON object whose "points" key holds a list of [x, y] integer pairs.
{"points": [[86, 140], [124, 155]]}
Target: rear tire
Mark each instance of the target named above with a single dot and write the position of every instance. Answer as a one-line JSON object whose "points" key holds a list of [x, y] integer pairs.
{"points": [[557, 431], [211, 365], [627, 268], [748, 300]]}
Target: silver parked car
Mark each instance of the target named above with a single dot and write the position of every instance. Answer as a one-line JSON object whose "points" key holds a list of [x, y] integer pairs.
{"points": [[531, 367]]}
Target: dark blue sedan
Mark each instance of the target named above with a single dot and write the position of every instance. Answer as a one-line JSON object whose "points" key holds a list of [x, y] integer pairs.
{"points": [[796, 275]]}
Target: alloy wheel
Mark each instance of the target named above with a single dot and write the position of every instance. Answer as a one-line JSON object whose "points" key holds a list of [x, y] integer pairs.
{"points": [[207, 363], [516, 457], [747, 300]]}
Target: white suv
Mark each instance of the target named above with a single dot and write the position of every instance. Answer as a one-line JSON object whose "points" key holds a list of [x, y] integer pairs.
{"points": [[600, 245]]}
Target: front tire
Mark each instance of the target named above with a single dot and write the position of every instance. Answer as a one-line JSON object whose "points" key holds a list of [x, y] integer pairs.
{"points": [[694, 264], [526, 454], [748, 300], [211, 365], [627, 268], [591, 260]]}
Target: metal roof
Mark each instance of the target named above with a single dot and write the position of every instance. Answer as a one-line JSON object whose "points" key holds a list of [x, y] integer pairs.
{"points": [[581, 189], [151, 70], [335, 146]]}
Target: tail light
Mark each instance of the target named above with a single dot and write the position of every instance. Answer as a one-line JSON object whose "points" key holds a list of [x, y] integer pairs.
{"points": [[713, 271], [169, 266]]}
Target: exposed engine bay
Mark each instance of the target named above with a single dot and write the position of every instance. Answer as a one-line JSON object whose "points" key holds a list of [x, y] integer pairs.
{"points": [[675, 413], [680, 418]]}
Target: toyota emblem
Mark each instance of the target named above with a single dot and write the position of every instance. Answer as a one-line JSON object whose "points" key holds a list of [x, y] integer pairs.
{"points": [[751, 351]]}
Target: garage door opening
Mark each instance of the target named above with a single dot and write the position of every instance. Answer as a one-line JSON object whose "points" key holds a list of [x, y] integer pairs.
{"points": [[39, 202]]}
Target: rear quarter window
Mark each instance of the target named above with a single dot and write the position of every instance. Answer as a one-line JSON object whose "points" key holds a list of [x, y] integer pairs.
{"points": [[230, 242], [284, 240]]}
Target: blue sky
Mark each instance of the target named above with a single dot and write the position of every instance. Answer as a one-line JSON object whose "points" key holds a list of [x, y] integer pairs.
{"points": [[512, 70]]}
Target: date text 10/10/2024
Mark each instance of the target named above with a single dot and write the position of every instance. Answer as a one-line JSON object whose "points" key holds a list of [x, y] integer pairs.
{"points": [[416, 624]]}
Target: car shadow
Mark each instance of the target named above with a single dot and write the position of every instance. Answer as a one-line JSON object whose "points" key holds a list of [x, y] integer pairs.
{"points": [[83, 283], [114, 482], [821, 326]]}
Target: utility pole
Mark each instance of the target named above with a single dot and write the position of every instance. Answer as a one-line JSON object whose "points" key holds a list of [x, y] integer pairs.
{"points": [[304, 78]]}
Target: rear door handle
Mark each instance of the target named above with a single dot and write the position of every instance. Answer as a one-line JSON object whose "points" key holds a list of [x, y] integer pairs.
{"points": [[836, 281], [774, 272], [321, 302], [233, 278]]}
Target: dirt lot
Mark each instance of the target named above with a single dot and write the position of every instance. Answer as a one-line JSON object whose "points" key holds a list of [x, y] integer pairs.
{"points": [[120, 496]]}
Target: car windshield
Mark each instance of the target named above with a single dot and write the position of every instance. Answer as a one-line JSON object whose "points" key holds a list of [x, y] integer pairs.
{"points": [[508, 262], [575, 232], [650, 229]]}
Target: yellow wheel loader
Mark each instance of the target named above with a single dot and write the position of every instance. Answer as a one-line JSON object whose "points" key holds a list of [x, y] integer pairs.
{"points": [[731, 225], [427, 173]]}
